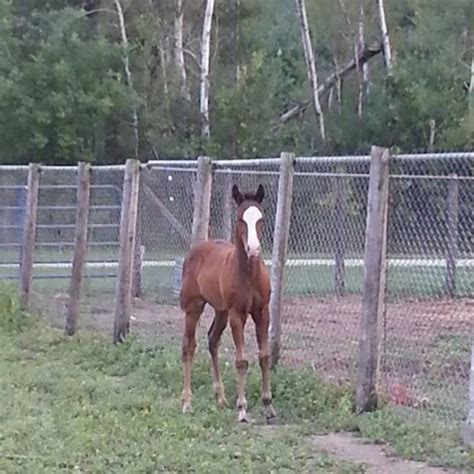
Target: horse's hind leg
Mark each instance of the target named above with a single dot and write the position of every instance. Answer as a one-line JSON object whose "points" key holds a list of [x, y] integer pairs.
{"points": [[193, 313], [214, 336], [237, 324], [261, 319]]}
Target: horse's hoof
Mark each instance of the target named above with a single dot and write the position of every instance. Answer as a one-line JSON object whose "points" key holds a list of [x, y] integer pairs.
{"points": [[271, 420], [243, 417], [222, 402], [187, 408], [270, 415]]}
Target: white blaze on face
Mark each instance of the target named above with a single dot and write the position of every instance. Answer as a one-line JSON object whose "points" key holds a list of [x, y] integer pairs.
{"points": [[251, 216]]}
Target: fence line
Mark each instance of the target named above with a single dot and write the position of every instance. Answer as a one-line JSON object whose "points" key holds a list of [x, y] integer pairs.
{"points": [[321, 225]]}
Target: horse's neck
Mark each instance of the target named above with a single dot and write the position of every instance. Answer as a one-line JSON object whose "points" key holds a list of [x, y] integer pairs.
{"points": [[247, 267]]}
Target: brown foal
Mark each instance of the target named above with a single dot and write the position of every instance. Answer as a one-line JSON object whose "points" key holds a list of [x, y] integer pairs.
{"points": [[233, 279]]}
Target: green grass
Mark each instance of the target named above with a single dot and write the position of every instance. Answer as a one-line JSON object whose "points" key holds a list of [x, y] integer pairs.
{"points": [[84, 404]]}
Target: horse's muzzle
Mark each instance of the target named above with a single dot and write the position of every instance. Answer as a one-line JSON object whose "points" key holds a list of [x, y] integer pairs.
{"points": [[253, 251]]}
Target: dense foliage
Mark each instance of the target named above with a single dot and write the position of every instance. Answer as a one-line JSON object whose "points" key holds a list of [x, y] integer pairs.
{"points": [[64, 93]]}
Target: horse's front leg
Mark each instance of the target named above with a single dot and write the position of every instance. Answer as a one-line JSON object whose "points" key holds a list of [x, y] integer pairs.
{"points": [[237, 324], [262, 319], [214, 337], [193, 313]]}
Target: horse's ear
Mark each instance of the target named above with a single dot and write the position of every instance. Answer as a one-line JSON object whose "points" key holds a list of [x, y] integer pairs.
{"points": [[236, 194], [260, 194]]}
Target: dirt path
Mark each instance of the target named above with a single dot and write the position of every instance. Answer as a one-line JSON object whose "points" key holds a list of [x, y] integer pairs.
{"points": [[349, 448]]}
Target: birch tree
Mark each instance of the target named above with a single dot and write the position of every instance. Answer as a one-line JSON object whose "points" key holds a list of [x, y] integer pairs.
{"points": [[471, 88], [128, 73], [387, 51], [205, 54], [364, 84], [179, 50], [310, 65], [357, 43]]}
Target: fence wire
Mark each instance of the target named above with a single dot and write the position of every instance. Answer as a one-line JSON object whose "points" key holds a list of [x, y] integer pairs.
{"points": [[427, 333], [427, 327]]}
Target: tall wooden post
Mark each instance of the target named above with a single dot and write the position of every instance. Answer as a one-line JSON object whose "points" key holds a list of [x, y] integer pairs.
{"points": [[280, 249], [80, 247], [227, 208], [29, 235], [128, 226], [468, 429], [452, 238], [202, 201], [373, 303]]}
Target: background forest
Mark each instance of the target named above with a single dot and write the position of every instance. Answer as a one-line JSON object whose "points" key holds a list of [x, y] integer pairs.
{"points": [[105, 80]]}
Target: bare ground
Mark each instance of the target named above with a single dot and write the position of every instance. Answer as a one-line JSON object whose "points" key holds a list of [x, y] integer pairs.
{"points": [[422, 347], [373, 457]]}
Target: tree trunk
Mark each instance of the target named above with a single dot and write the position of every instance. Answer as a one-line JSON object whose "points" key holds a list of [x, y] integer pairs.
{"points": [[339, 84], [128, 73], [236, 40], [310, 65], [205, 53], [432, 136], [364, 81], [365, 66], [471, 89], [164, 74], [387, 51], [179, 50], [236, 50]]}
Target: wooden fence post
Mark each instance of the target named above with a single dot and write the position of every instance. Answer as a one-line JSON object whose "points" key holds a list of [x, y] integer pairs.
{"points": [[128, 226], [29, 235], [452, 237], [80, 247], [339, 247], [468, 430], [227, 207], [202, 200], [280, 248], [368, 359]]}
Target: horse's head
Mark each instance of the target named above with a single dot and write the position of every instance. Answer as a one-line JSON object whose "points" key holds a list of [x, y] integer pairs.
{"points": [[249, 222]]}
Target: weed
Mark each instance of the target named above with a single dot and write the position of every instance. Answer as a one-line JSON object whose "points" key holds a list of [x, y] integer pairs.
{"points": [[12, 318]]}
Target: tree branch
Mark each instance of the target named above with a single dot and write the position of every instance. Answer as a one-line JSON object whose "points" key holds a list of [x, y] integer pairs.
{"points": [[363, 57]]}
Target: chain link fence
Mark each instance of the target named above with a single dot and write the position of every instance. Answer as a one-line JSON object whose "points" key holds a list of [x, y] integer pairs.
{"points": [[54, 243], [427, 326]]}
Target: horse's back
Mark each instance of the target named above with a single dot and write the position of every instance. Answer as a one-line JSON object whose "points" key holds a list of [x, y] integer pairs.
{"points": [[209, 250]]}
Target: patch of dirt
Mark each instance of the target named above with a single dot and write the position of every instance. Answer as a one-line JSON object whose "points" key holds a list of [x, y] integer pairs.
{"points": [[421, 338], [375, 460]]}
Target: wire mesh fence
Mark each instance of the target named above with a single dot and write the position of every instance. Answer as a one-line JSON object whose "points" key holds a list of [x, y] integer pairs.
{"points": [[54, 242], [428, 323], [427, 326]]}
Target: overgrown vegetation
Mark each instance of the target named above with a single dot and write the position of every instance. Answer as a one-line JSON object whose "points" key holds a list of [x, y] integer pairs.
{"points": [[12, 317], [64, 94], [86, 404]]}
